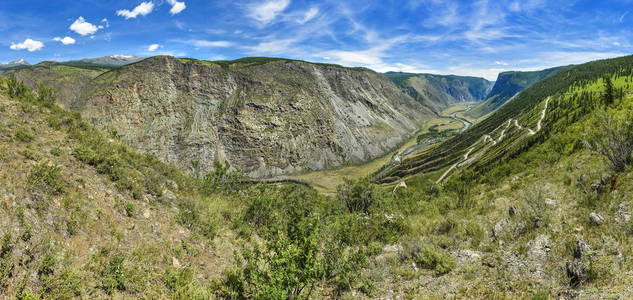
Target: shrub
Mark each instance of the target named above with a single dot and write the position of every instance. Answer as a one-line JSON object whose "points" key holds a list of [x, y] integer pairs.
{"points": [[16, 88], [182, 284], [46, 178], [285, 267], [359, 196], [222, 179], [435, 259], [611, 134], [461, 187]]}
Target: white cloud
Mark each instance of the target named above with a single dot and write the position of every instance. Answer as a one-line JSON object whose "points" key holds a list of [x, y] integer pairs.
{"points": [[266, 11], [82, 27], [176, 7], [142, 9], [371, 58], [28, 44], [501, 63], [153, 47], [273, 47], [203, 43], [65, 40], [309, 15]]}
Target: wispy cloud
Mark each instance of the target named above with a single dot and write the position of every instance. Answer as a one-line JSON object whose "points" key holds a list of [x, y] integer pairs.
{"points": [[205, 43], [274, 47], [143, 9], [266, 11], [309, 15], [176, 7]]}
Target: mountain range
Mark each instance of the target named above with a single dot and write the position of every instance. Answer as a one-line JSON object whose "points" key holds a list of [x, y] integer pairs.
{"points": [[180, 178]]}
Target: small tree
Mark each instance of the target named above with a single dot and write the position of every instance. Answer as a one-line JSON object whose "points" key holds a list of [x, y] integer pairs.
{"points": [[358, 196], [608, 95], [287, 266], [611, 134]]}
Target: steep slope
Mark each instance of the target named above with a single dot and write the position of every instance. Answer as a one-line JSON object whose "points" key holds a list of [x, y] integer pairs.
{"points": [[112, 60], [440, 91], [264, 116], [508, 85], [68, 79], [509, 130]]}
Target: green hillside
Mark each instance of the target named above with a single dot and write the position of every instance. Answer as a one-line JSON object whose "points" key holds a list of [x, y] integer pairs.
{"points": [[544, 211], [508, 85], [524, 107]]}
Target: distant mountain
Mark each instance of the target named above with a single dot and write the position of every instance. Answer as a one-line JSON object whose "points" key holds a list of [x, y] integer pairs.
{"points": [[266, 116], [508, 85], [15, 63], [112, 60], [438, 92]]}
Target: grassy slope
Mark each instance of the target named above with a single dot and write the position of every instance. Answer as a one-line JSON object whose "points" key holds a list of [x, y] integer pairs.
{"points": [[526, 258], [106, 229], [507, 86], [449, 152]]}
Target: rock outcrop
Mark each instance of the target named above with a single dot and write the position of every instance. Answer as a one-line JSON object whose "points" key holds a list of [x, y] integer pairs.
{"points": [[266, 117]]}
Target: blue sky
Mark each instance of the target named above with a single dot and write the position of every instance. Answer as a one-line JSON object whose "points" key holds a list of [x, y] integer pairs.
{"points": [[480, 38]]}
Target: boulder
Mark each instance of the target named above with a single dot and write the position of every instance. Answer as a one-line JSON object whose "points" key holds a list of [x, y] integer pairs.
{"points": [[581, 248], [596, 219]]}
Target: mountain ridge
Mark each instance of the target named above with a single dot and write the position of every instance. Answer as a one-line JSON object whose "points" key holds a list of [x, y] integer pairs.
{"points": [[440, 91]]}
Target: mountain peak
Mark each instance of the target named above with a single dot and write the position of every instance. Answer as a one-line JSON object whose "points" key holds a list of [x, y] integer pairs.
{"points": [[15, 63]]}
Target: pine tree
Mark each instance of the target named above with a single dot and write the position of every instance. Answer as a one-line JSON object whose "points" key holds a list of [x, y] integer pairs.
{"points": [[608, 95]]}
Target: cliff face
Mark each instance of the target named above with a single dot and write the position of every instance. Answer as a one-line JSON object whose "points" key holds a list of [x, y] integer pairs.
{"points": [[438, 92], [266, 118]]}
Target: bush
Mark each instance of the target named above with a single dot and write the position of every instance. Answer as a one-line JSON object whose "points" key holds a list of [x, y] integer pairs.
{"points": [[287, 266], [222, 179], [182, 284], [16, 88], [435, 259], [47, 179], [359, 196], [611, 134]]}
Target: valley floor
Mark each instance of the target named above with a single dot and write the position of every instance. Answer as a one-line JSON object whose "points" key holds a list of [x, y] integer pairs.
{"points": [[326, 181]]}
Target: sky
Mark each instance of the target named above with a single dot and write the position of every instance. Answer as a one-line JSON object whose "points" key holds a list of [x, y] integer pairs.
{"points": [[475, 38]]}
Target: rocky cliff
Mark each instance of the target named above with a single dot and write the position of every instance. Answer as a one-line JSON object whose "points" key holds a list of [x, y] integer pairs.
{"points": [[438, 92], [264, 116]]}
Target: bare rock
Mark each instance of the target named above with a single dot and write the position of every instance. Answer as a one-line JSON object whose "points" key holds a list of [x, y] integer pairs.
{"points": [[551, 202], [577, 272], [624, 213], [467, 256], [175, 263], [581, 248], [498, 228], [168, 195], [596, 219]]}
